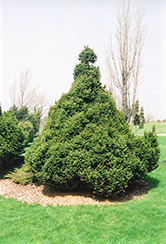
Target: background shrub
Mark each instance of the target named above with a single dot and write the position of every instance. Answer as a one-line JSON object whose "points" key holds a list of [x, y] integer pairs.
{"points": [[87, 142], [28, 131], [23, 114], [11, 139], [147, 149]]}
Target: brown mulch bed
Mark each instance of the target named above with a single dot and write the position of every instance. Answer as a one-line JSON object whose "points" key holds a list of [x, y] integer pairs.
{"points": [[37, 193]]}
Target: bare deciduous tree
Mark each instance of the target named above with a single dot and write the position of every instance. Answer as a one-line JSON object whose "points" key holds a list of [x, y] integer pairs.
{"points": [[24, 93], [39, 101], [124, 59]]}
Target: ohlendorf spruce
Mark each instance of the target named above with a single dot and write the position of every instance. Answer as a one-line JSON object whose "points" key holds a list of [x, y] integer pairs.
{"points": [[87, 143]]}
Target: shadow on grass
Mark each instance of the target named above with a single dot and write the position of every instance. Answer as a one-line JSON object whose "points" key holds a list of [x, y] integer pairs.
{"points": [[153, 182]]}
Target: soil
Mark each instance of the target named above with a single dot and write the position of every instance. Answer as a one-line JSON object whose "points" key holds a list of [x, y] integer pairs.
{"points": [[44, 195]]}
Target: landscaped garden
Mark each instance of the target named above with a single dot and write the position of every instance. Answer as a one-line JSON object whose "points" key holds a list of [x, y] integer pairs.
{"points": [[82, 138], [85, 146], [141, 220]]}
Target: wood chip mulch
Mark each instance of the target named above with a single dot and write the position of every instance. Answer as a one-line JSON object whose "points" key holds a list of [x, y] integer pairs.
{"points": [[37, 193]]}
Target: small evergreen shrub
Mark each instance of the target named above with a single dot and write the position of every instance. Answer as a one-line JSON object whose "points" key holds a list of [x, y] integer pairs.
{"points": [[28, 131], [21, 175], [11, 139], [147, 149], [87, 142], [23, 114]]}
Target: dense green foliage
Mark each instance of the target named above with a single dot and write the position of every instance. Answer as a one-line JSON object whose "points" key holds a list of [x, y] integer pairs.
{"points": [[142, 118], [147, 149], [28, 131], [11, 138], [0, 110], [87, 142], [20, 174], [87, 56], [136, 117], [23, 114]]}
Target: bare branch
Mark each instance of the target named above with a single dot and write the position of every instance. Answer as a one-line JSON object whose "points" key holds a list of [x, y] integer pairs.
{"points": [[13, 91], [28, 94], [124, 62]]}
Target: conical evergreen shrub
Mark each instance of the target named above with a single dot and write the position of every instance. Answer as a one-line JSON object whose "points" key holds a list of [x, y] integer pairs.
{"points": [[86, 141]]}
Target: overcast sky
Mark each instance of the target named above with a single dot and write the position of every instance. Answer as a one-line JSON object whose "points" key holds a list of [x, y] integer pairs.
{"points": [[48, 35]]}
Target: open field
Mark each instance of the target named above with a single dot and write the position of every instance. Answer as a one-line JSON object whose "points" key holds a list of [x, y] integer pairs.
{"points": [[160, 127], [136, 221]]}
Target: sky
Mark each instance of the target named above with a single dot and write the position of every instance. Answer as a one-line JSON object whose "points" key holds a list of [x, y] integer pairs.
{"points": [[48, 36]]}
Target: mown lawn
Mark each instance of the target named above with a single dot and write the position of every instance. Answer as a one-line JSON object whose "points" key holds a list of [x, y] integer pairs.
{"points": [[136, 221], [160, 128]]}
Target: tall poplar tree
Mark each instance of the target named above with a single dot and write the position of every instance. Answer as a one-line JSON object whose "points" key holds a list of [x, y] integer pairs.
{"points": [[124, 58]]}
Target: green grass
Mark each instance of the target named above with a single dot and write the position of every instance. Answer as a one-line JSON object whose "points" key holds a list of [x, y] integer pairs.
{"points": [[138, 221], [160, 128]]}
